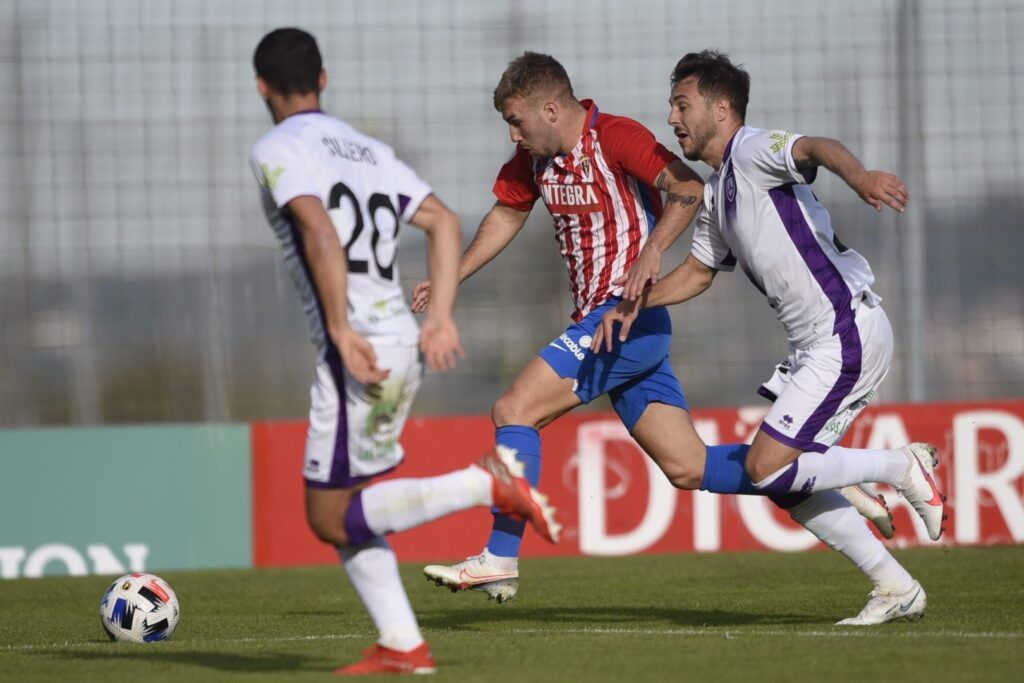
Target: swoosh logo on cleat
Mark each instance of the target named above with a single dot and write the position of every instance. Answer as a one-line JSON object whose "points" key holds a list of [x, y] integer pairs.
{"points": [[471, 579], [906, 606], [936, 496]]}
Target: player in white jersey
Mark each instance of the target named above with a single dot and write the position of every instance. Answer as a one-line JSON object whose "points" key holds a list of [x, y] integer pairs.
{"points": [[759, 212], [335, 199]]}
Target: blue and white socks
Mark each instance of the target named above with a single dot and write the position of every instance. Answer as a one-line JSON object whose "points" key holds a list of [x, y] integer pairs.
{"points": [[507, 533]]}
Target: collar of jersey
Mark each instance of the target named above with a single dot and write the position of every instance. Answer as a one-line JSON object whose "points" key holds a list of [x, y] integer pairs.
{"points": [[304, 111], [592, 112], [728, 147]]}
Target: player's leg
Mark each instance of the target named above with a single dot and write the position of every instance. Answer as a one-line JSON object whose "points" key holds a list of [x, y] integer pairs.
{"points": [[537, 396], [353, 436], [333, 478], [829, 516], [566, 373], [374, 419], [868, 503], [829, 386], [654, 410]]}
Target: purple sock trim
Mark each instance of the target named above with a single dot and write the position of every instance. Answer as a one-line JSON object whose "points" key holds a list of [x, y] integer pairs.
{"points": [[356, 528], [783, 483]]}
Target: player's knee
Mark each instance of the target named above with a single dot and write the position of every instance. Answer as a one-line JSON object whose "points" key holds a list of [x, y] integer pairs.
{"points": [[509, 410], [684, 469], [327, 529], [686, 473], [757, 468], [687, 480]]}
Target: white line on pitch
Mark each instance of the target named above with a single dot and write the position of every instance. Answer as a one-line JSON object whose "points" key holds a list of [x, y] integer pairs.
{"points": [[728, 634]]}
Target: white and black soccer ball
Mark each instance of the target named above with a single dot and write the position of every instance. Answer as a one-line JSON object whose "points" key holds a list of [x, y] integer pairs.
{"points": [[139, 608]]}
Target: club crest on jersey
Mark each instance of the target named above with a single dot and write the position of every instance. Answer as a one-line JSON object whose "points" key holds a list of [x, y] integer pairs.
{"points": [[730, 188], [569, 198]]}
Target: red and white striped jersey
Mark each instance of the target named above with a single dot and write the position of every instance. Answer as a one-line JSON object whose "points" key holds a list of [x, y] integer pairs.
{"points": [[601, 196]]}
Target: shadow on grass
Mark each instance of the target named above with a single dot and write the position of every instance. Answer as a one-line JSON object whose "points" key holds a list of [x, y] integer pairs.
{"points": [[219, 661], [605, 617]]}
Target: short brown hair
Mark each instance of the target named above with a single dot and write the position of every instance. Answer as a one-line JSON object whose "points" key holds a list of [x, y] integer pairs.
{"points": [[532, 73], [717, 78]]}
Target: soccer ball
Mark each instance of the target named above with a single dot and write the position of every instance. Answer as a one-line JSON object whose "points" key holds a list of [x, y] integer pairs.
{"points": [[139, 608]]}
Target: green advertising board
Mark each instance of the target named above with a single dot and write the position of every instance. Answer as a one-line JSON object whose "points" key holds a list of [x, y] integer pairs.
{"points": [[118, 499]]}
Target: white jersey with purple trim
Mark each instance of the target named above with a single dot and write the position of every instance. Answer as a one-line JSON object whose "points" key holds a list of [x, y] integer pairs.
{"points": [[760, 212], [367, 192]]}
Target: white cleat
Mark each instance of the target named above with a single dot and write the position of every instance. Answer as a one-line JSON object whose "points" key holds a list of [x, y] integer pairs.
{"points": [[871, 506], [480, 573], [919, 489], [883, 607]]}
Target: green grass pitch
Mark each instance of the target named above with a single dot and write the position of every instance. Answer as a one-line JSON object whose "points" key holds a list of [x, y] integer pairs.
{"points": [[738, 616]]}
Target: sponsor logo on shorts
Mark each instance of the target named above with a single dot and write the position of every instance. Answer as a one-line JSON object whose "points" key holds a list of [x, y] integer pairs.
{"points": [[840, 422], [385, 310], [786, 421], [574, 348]]}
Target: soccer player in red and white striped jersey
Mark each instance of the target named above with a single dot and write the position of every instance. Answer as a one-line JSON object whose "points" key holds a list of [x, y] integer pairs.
{"points": [[601, 177], [601, 196]]}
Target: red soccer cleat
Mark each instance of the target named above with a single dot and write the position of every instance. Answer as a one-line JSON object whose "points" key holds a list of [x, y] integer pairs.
{"points": [[513, 495], [378, 659]]}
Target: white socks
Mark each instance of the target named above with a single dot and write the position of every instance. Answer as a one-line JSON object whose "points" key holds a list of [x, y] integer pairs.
{"points": [[837, 468], [373, 570], [836, 523], [402, 504]]}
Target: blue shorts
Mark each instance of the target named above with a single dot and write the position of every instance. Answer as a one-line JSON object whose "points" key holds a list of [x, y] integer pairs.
{"points": [[635, 373]]}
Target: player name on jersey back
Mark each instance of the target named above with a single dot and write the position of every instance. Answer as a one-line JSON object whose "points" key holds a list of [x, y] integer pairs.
{"points": [[367, 193]]}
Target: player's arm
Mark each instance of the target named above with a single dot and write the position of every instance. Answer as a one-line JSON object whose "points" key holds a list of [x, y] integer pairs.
{"points": [[683, 190], [688, 280], [497, 229], [874, 187], [328, 266], [439, 336]]}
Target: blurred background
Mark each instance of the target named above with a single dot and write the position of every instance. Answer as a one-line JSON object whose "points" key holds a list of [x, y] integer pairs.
{"points": [[139, 281]]}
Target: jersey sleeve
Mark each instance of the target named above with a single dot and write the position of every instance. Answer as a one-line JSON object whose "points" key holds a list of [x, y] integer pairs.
{"points": [[708, 246], [767, 159], [630, 146], [515, 186], [279, 168], [411, 190]]}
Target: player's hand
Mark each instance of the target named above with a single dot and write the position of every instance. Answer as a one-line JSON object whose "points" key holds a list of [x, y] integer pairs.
{"points": [[879, 189], [359, 358], [439, 342], [623, 314], [644, 272], [421, 297]]}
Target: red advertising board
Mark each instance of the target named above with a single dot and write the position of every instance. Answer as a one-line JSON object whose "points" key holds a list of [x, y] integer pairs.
{"points": [[614, 501]]}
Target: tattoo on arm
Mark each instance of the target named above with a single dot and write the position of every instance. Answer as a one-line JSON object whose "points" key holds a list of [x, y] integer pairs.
{"points": [[659, 182], [681, 200]]}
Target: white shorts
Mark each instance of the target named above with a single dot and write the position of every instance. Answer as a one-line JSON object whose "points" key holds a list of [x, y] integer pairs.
{"points": [[820, 390], [349, 442]]}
